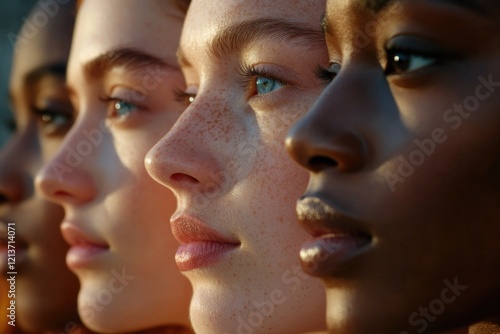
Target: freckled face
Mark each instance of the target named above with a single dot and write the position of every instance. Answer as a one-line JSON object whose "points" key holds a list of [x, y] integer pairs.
{"points": [[123, 75], [403, 147], [226, 163]]}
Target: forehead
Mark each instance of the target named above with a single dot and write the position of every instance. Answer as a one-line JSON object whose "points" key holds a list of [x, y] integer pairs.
{"points": [[151, 26], [50, 43], [206, 19]]}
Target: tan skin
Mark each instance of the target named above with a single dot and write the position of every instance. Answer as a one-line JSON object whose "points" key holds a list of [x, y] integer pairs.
{"points": [[42, 115], [122, 85], [403, 234]]}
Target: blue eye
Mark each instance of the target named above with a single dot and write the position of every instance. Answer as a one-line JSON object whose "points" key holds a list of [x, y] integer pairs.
{"points": [[123, 108], [117, 107], [266, 85]]}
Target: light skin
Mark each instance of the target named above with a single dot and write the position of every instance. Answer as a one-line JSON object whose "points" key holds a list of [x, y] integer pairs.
{"points": [[42, 114], [122, 76], [423, 88], [250, 73]]}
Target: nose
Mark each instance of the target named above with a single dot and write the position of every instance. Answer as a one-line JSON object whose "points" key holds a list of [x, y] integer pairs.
{"points": [[67, 178], [329, 136], [318, 147], [189, 157], [16, 176]]}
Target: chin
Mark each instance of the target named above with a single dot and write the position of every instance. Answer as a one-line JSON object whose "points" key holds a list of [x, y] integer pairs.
{"points": [[218, 310], [106, 307], [97, 306]]}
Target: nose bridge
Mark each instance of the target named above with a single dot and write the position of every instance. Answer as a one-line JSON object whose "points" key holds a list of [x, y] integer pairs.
{"points": [[356, 94], [19, 159], [190, 157], [80, 145], [334, 132], [68, 176]]}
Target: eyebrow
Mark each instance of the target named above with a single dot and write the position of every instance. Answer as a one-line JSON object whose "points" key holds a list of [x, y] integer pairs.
{"points": [[128, 58], [55, 69], [38, 74], [379, 5], [234, 38]]}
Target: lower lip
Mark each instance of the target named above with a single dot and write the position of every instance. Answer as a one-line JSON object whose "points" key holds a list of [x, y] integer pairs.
{"points": [[327, 253], [83, 255], [198, 254]]}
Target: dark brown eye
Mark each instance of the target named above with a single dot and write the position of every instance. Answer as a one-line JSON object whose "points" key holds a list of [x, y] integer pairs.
{"points": [[400, 62], [54, 122]]}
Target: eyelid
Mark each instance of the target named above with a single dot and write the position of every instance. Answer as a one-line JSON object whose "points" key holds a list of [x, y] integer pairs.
{"points": [[415, 47], [326, 75], [248, 73], [127, 95], [50, 126], [419, 46], [183, 96]]}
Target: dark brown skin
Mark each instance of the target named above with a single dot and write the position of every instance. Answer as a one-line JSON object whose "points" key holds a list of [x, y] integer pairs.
{"points": [[427, 224]]}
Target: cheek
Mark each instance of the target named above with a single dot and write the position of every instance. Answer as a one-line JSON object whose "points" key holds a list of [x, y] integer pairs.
{"points": [[131, 148]]}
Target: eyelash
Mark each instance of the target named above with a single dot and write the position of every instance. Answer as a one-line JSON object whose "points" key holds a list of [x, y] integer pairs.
{"points": [[183, 97], [248, 75], [391, 52], [111, 101], [326, 75], [48, 120]]}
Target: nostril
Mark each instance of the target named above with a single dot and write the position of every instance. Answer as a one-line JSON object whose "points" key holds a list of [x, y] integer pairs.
{"points": [[61, 193], [318, 163], [179, 177], [3, 199]]}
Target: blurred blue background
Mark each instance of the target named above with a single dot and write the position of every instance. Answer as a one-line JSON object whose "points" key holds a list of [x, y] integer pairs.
{"points": [[12, 14]]}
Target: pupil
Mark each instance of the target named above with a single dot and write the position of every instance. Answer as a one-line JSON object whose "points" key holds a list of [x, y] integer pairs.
{"points": [[264, 84], [402, 61], [122, 108]]}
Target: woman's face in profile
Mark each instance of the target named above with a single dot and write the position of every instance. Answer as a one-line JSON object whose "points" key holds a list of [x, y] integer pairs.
{"points": [[250, 71], [404, 158], [42, 115], [122, 76]]}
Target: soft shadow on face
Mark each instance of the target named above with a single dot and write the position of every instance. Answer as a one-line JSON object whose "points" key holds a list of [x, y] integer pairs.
{"points": [[402, 150], [46, 290], [250, 70], [122, 76]]}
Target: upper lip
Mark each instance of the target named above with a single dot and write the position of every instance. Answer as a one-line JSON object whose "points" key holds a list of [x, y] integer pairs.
{"points": [[319, 218], [75, 236], [188, 229]]}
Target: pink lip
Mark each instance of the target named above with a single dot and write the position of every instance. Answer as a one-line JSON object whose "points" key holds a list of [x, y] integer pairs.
{"points": [[84, 249], [200, 246], [336, 239]]}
